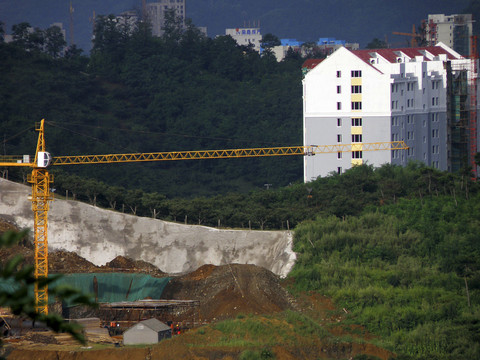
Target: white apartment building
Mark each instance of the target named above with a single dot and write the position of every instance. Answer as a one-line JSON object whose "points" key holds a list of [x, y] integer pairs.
{"points": [[418, 95], [246, 36], [452, 30], [156, 13]]}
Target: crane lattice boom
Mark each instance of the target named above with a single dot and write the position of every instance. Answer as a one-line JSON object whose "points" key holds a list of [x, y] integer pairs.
{"points": [[41, 180]]}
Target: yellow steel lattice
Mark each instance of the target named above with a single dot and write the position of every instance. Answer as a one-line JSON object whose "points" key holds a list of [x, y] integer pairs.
{"points": [[226, 153]]}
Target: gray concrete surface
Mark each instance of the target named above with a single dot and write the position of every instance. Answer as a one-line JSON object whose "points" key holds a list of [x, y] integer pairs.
{"points": [[100, 235]]}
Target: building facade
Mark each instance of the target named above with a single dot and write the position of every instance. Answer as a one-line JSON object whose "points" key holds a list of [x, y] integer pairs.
{"points": [[417, 95], [452, 30], [246, 36], [155, 12]]}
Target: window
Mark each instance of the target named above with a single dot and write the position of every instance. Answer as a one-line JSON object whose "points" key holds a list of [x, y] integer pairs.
{"points": [[339, 89], [356, 138], [339, 170], [339, 137], [339, 155], [339, 122], [408, 102], [356, 105], [356, 89], [433, 101], [357, 154], [356, 73], [356, 121], [436, 100], [339, 106], [339, 74]]}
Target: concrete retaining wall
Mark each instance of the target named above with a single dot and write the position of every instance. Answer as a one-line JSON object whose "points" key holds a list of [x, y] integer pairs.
{"points": [[100, 235]]}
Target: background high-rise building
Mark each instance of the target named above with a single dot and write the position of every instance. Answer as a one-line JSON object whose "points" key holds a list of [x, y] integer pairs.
{"points": [[246, 36], [155, 12], [452, 30]]}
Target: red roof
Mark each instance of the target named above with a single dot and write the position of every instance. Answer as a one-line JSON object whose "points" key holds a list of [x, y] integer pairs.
{"points": [[390, 54], [311, 63]]}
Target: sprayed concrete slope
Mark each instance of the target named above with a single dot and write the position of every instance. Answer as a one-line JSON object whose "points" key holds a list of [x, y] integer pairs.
{"points": [[100, 235]]}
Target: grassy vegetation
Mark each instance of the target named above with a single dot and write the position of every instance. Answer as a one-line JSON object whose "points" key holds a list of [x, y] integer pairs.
{"points": [[402, 271]]}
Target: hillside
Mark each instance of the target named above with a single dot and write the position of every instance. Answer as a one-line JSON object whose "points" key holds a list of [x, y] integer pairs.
{"points": [[179, 96]]}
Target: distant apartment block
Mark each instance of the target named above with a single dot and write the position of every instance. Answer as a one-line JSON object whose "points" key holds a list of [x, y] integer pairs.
{"points": [[155, 12], [128, 18], [246, 36], [9, 38], [324, 47], [452, 30], [425, 97]]}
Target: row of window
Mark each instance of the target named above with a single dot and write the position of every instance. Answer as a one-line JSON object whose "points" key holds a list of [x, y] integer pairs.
{"points": [[411, 135], [356, 105], [411, 86], [355, 122], [411, 119], [355, 155], [411, 152], [354, 73], [356, 138], [356, 89]]}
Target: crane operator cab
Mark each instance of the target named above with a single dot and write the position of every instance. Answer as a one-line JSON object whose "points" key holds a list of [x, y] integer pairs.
{"points": [[43, 159]]}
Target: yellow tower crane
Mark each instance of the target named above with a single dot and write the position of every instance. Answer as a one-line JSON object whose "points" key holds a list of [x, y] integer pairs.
{"points": [[41, 180]]}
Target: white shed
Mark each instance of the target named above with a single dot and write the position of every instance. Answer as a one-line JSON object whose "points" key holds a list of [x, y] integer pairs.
{"points": [[149, 331]]}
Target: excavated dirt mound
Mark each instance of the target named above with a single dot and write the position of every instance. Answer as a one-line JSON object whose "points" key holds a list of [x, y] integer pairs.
{"points": [[228, 290], [123, 264], [223, 291]]}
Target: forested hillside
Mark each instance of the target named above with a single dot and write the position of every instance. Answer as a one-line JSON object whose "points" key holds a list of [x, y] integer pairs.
{"points": [[137, 93], [408, 270]]}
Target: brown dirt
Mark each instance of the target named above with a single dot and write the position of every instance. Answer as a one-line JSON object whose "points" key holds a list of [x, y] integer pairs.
{"points": [[228, 290], [223, 292]]}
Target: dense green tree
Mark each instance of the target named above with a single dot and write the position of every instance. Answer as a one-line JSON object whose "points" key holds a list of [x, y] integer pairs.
{"points": [[269, 41], [54, 41], [377, 44], [19, 297], [2, 31]]}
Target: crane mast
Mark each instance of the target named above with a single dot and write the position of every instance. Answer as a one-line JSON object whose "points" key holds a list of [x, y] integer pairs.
{"points": [[41, 180]]}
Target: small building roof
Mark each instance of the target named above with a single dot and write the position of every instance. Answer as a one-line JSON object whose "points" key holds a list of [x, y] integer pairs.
{"points": [[155, 325]]}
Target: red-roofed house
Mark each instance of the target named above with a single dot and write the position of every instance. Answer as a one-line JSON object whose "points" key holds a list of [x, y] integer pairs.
{"points": [[382, 95]]}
